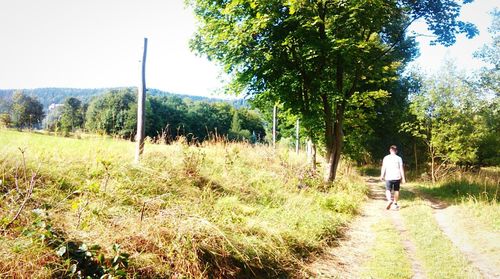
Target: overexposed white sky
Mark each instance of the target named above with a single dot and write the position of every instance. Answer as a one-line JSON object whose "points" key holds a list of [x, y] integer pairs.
{"points": [[98, 43], [432, 57]]}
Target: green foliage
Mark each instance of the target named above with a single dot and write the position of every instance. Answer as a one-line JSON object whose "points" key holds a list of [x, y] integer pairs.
{"points": [[72, 115], [168, 118], [5, 120], [489, 82], [26, 111], [314, 56], [112, 113], [49, 96], [490, 76], [52, 122], [448, 119]]}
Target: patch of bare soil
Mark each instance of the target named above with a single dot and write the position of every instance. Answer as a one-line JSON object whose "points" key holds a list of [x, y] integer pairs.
{"points": [[349, 255]]}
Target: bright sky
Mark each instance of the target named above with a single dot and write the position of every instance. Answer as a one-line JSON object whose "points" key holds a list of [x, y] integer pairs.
{"points": [[98, 43], [431, 57]]}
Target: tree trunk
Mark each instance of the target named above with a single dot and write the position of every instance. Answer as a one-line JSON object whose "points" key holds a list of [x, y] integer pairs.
{"points": [[433, 171], [416, 160], [275, 124], [334, 141], [297, 139]]}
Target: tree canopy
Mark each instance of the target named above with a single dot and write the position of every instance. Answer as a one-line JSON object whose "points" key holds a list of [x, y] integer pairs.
{"points": [[169, 117], [314, 57], [26, 111]]}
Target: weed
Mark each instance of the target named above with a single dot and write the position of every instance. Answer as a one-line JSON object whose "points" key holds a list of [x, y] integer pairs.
{"points": [[192, 161]]}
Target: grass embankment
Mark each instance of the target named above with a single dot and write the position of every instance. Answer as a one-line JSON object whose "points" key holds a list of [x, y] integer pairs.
{"points": [[217, 210], [388, 258]]}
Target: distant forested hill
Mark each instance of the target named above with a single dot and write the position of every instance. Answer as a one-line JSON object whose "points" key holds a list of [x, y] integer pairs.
{"points": [[48, 96]]}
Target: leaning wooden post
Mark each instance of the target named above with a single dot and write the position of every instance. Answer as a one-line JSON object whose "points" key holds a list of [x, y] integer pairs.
{"points": [[274, 125], [141, 101], [297, 142]]}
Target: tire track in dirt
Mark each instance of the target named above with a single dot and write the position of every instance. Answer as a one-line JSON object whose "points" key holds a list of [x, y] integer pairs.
{"points": [[409, 246], [465, 235], [347, 257]]}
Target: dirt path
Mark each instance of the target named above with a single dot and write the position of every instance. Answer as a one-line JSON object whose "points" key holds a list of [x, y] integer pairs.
{"points": [[418, 271], [346, 259], [481, 247]]}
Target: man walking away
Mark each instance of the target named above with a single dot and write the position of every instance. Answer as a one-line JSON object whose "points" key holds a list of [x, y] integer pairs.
{"points": [[393, 174]]}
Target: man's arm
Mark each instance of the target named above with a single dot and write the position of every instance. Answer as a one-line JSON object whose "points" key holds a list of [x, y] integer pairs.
{"points": [[382, 171], [402, 171]]}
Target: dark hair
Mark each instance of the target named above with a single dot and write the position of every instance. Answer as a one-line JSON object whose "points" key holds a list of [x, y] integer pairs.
{"points": [[393, 148]]}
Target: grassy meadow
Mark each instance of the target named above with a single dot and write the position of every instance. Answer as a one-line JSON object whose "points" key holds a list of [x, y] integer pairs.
{"points": [[81, 207]]}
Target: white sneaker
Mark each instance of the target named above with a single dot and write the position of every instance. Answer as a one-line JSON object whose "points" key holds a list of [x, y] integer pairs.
{"points": [[396, 206]]}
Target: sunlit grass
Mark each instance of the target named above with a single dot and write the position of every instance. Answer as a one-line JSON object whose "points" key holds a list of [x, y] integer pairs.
{"points": [[440, 258], [220, 209], [476, 193], [388, 258]]}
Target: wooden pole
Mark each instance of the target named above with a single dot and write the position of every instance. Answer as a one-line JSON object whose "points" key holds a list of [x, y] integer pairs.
{"points": [[297, 142], [274, 125], [141, 101]]}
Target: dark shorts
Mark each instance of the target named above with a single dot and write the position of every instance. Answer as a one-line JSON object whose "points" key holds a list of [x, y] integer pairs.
{"points": [[392, 185]]}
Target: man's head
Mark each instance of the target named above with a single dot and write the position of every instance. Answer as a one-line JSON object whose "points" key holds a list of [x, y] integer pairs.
{"points": [[393, 149]]}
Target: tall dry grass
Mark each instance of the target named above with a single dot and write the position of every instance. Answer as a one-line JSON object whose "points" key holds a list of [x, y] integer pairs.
{"points": [[216, 210], [477, 192]]}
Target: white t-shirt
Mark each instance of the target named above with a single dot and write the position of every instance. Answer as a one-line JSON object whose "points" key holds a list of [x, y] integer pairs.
{"points": [[392, 164]]}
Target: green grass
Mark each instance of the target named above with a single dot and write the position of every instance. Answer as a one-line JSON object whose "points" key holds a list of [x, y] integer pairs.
{"points": [[439, 257], [476, 193], [369, 170], [388, 256], [222, 210]]}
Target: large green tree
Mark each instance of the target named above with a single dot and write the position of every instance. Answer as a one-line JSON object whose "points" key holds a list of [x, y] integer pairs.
{"points": [[489, 82], [448, 119], [113, 113], [490, 53], [313, 56], [26, 111], [72, 114]]}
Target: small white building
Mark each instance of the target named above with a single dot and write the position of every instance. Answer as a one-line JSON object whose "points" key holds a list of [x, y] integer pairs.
{"points": [[54, 106]]}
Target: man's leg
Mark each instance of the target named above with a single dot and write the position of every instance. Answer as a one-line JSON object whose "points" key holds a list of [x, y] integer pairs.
{"points": [[388, 187], [396, 196]]}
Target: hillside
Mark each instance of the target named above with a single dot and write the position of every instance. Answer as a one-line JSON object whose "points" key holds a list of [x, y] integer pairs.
{"points": [[48, 96], [81, 207]]}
